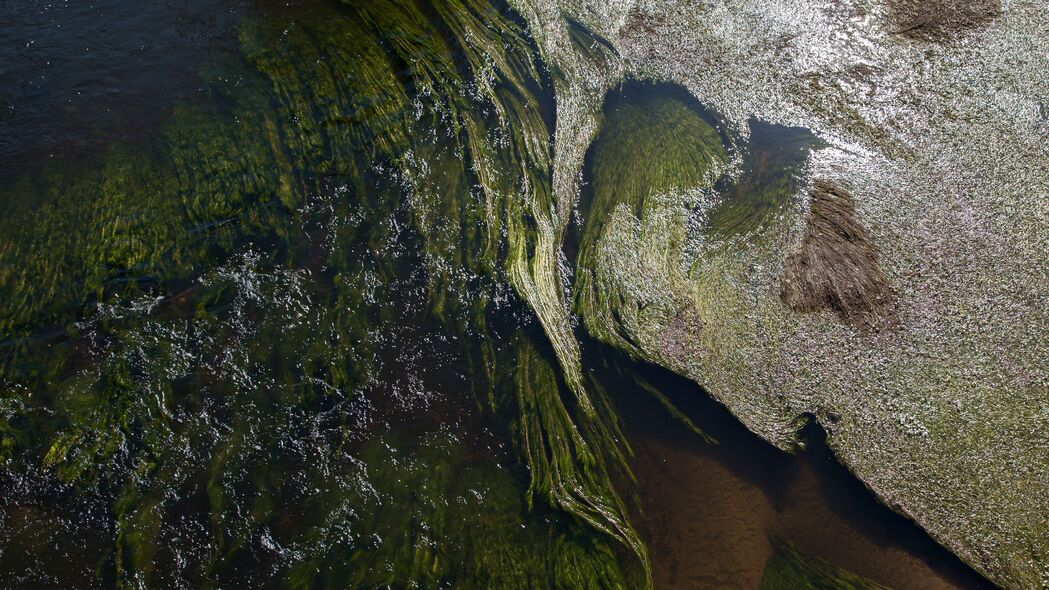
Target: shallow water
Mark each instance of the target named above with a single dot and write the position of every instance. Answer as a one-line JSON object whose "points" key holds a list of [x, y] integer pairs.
{"points": [[710, 511], [75, 76], [317, 384]]}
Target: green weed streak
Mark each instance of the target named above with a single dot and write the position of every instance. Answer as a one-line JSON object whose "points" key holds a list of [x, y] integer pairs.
{"points": [[319, 104], [519, 208], [649, 153], [566, 469], [789, 569]]}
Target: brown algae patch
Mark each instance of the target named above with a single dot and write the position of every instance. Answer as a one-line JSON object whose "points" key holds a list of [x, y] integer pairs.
{"points": [[935, 20], [836, 266]]}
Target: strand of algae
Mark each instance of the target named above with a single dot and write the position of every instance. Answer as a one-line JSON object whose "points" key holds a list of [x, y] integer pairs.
{"points": [[789, 569], [565, 468], [649, 153], [320, 105]]}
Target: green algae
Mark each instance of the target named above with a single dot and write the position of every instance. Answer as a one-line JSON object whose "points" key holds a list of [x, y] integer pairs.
{"points": [[163, 303], [437, 543], [789, 569], [664, 246], [652, 159], [770, 174], [566, 469]]}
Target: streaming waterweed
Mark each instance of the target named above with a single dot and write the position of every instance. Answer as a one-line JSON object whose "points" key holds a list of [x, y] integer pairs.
{"points": [[241, 338]]}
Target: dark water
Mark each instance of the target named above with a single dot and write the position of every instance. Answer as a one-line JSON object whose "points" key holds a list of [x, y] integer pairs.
{"points": [[75, 76], [304, 396]]}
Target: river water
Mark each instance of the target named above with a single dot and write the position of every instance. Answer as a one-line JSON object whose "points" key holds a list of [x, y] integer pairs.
{"points": [[289, 370]]}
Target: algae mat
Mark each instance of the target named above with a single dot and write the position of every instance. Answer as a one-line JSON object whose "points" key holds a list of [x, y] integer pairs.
{"points": [[897, 297], [317, 322]]}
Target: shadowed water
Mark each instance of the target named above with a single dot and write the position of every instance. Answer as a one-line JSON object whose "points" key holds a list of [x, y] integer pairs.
{"points": [[711, 513]]}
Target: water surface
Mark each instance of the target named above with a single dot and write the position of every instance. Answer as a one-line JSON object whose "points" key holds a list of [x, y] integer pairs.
{"points": [[709, 512], [260, 335]]}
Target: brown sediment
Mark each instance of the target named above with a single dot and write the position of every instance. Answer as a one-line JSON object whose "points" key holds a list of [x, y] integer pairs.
{"points": [[679, 337], [836, 268], [638, 24], [710, 512], [933, 20]]}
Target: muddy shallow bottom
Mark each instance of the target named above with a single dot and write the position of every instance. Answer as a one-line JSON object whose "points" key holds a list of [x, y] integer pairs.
{"points": [[709, 511]]}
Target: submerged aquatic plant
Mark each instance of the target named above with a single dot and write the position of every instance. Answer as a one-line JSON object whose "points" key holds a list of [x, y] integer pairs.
{"points": [[315, 332], [214, 337], [651, 154], [789, 569]]}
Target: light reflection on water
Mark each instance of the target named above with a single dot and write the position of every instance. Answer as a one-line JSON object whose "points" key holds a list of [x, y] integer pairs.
{"points": [[80, 77], [709, 511]]}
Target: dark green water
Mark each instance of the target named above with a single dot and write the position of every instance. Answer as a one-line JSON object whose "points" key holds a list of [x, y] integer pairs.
{"points": [[258, 328]]}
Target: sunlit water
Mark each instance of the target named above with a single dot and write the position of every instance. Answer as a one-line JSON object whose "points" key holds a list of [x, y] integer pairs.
{"points": [[301, 402]]}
